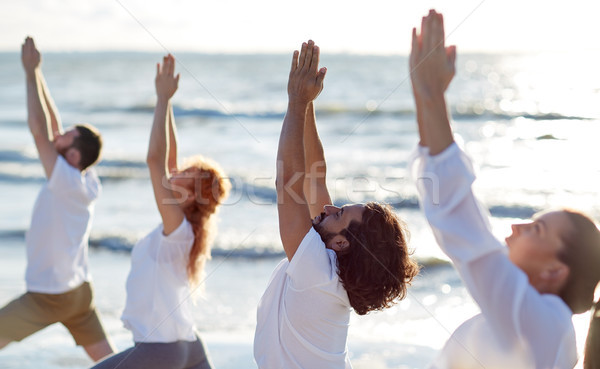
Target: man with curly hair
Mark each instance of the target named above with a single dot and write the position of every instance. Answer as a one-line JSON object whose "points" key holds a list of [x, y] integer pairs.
{"points": [[338, 259]]}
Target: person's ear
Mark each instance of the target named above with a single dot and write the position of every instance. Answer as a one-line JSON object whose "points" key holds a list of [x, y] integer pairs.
{"points": [[554, 277], [73, 157], [339, 243]]}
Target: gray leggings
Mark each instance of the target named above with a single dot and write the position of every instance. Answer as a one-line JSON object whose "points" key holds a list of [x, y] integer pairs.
{"points": [[175, 355]]}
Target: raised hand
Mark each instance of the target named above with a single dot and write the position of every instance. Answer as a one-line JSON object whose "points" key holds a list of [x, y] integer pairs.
{"points": [[30, 55], [306, 80], [431, 62], [166, 82]]}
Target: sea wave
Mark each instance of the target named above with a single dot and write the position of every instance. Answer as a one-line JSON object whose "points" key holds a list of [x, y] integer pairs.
{"points": [[124, 244], [466, 111]]}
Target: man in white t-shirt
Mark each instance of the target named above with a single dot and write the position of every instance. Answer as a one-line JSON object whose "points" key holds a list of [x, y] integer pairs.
{"points": [[57, 276], [338, 259]]}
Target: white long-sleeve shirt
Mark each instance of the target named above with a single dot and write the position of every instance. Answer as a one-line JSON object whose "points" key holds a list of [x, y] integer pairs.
{"points": [[518, 327]]}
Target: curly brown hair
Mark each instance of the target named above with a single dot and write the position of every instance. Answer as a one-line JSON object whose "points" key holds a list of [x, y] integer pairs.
{"points": [[211, 188], [377, 267]]}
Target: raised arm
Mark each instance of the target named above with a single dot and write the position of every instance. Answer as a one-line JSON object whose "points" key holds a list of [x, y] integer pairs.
{"points": [[315, 186], [38, 117], [432, 69], [304, 85], [158, 149], [172, 165], [55, 122]]}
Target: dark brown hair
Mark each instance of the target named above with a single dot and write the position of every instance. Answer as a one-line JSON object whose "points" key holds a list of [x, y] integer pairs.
{"points": [[211, 187], [89, 145], [377, 267], [581, 253]]}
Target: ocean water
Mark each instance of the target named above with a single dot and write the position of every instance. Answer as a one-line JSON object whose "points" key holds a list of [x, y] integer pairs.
{"points": [[530, 122]]}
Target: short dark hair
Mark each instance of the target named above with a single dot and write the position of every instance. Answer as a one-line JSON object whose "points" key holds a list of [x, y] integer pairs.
{"points": [[89, 144], [377, 266]]}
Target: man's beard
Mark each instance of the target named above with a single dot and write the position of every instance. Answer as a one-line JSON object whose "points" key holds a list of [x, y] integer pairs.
{"points": [[63, 151], [325, 235]]}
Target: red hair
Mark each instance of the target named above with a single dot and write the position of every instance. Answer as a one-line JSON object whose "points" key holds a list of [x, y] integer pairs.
{"points": [[210, 187]]}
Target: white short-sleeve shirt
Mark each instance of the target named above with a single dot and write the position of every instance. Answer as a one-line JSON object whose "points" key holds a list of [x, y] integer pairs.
{"points": [[304, 314], [518, 327], [159, 301], [57, 239]]}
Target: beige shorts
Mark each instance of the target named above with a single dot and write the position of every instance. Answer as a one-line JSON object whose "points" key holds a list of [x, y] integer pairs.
{"points": [[33, 311]]}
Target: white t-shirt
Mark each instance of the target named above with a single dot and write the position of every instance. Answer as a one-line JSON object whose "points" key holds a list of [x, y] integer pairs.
{"points": [[57, 239], [158, 306], [518, 327], [304, 314]]}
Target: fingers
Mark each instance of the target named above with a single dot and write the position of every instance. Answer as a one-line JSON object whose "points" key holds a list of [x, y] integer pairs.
{"points": [[170, 65], [27, 44], [432, 32], [451, 55], [309, 56], [424, 33], [302, 55], [294, 61], [415, 45], [436, 31], [314, 64], [306, 80], [165, 65], [441, 25], [321, 76]]}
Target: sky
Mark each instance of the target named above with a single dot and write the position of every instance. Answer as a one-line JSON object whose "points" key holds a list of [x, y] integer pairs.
{"points": [[263, 26]]}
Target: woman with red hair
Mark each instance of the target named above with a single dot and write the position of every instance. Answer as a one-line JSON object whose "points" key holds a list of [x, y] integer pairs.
{"points": [[168, 263]]}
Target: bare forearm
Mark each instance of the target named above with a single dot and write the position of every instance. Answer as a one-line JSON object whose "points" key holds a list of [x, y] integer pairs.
{"points": [[290, 154], [172, 161], [313, 148], [315, 186], [421, 124], [158, 147], [293, 213], [435, 122], [55, 123], [37, 116]]}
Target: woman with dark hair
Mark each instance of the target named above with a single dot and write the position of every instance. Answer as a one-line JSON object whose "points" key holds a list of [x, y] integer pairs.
{"points": [[169, 261], [528, 291]]}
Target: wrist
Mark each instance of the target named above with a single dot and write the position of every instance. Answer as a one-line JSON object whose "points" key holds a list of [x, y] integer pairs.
{"points": [[30, 73], [430, 97], [295, 104], [163, 99]]}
